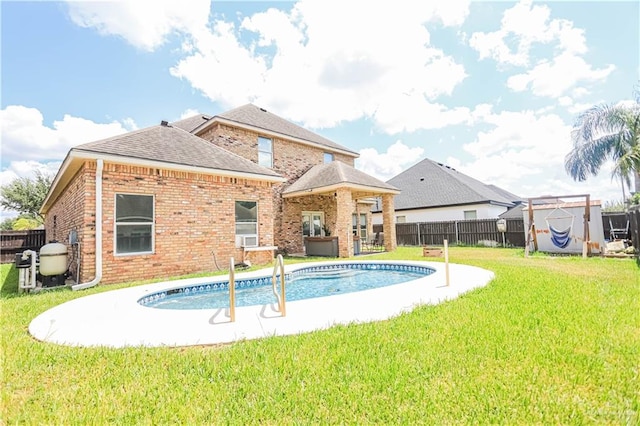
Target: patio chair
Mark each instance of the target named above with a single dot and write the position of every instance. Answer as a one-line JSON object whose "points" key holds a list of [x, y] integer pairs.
{"points": [[618, 233], [378, 242]]}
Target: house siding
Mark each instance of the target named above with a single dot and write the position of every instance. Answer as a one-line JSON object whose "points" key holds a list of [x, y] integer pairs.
{"points": [[194, 229], [434, 214]]}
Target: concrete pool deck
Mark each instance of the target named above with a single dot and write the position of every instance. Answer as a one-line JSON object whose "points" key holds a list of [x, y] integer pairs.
{"points": [[116, 319]]}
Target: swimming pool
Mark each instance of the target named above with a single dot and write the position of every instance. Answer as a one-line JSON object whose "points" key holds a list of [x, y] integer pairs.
{"points": [[305, 283], [116, 319]]}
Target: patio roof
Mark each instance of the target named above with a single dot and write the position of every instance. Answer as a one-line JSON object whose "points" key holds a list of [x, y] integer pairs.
{"points": [[326, 178]]}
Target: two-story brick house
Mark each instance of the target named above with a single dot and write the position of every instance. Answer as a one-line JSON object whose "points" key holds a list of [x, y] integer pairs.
{"points": [[187, 196]]}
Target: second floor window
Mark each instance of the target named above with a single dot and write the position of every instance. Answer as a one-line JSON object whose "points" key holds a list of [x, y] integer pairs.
{"points": [[328, 157], [265, 152]]}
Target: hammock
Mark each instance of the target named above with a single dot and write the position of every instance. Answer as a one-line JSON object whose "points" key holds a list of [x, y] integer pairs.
{"points": [[560, 238]]}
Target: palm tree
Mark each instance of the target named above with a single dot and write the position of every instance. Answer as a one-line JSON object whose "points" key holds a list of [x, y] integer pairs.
{"points": [[607, 132]]}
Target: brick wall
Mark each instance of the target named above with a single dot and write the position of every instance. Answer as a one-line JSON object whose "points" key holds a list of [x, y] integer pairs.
{"points": [[291, 160], [75, 210], [194, 221]]}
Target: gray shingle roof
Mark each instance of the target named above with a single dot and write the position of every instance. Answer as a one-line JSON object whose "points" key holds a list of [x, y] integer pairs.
{"points": [[430, 184], [189, 124], [176, 146], [254, 116], [337, 173]]}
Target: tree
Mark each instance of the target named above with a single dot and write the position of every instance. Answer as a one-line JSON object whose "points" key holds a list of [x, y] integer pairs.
{"points": [[25, 195], [607, 132]]}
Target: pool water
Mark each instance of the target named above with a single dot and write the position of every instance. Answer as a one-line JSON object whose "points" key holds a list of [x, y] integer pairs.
{"points": [[306, 283]]}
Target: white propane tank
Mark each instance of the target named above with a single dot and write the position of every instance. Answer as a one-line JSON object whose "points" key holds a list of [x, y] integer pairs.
{"points": [[53, 259]]}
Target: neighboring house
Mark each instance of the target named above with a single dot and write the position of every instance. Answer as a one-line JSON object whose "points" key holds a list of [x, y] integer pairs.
{"points": [[432, 191], [187, 196]]}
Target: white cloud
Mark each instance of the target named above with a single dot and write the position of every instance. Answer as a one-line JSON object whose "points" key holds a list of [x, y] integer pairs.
{"points": [[143, 24], [555, 77], [388, 164], [528, 25], [312, 57], [523, 152], [190, 112], [25, 136]]}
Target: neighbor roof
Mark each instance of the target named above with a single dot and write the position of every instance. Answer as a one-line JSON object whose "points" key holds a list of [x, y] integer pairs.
{"points": [[328, 177], [173, 145], [431, 184], [255, 117]]}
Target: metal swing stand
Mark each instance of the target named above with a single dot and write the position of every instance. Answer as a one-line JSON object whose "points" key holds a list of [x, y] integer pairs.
{"points": [[531, 233]]}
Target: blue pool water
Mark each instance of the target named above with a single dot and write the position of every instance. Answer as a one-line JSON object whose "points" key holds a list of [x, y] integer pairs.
{"points": [[305, 283]]}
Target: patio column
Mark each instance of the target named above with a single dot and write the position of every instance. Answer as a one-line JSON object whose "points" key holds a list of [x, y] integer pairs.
{"points": [[344, 233], [388, 222]]}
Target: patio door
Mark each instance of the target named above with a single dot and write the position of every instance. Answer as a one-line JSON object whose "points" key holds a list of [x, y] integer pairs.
{"points": [[312, 224]]}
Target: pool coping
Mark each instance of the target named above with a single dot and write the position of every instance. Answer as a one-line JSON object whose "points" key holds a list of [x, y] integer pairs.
{"points": [[116, 319]]}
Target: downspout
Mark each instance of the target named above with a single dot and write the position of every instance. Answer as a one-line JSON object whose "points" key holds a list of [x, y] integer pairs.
{"points": [[98, 276]]}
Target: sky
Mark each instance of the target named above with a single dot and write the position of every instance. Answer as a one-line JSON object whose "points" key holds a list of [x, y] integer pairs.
{"points": [[490, 88]]}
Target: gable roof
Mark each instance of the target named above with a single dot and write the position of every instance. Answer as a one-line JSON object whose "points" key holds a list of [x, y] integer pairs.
{"points": [[256, 118], [160, 146], [172, 145], [189, 124], [430, 184], [326, 178]]}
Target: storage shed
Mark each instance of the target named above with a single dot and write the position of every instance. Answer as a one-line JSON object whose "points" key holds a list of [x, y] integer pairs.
{"points": [[563, 227]]}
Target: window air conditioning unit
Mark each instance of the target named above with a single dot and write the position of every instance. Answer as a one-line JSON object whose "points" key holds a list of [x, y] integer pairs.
{"points": [[248, 241]]}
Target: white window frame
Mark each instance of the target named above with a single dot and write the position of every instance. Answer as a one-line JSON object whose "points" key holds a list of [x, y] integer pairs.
{"points": [[117, 224], [262, 153], [241, 238], [363, 226], [468, 213], [312, 215]]}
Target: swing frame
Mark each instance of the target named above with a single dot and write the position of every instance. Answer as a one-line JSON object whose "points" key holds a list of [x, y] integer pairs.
{"points": [[531, 233]]}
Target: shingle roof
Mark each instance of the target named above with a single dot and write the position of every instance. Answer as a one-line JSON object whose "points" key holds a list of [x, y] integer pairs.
{"points": [[334, 174], [254, 116], [173, 145], [189, 124], [430, 184]]}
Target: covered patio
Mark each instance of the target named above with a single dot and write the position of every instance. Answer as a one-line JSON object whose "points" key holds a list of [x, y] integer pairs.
{"points": [[337, 195]]}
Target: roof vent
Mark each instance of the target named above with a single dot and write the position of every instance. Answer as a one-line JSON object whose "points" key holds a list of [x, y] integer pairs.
{"points": [[422, 179], [164, 123]]}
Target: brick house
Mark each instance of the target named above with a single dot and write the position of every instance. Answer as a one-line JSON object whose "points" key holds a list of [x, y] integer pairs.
{"points": [[186, 196]]}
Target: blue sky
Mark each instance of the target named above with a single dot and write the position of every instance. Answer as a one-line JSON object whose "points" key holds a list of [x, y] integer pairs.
{"points": [[489, 88]]}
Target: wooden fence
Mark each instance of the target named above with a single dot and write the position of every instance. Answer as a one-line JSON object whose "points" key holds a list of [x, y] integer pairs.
{"points": [[12, 242], [468, 232], [472, 232], [634, 227]]}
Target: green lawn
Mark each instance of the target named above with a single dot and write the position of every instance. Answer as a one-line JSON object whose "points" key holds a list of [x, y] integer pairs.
{"points": [[550, 340]]}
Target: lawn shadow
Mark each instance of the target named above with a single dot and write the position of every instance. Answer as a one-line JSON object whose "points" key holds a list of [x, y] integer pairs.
{"points": [[9, 281]]}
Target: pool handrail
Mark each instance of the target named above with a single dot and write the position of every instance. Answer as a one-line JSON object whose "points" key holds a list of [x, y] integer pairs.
{"points": [[232, 290], [280, 298]]}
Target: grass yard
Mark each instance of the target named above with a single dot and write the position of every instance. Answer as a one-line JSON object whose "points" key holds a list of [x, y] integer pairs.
{"points": [[550, 340]]}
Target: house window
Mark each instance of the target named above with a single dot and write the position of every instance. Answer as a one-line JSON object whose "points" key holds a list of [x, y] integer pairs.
{"points": [[470, 214], [265, 152], [246, 223], [134, 224], [363, 225], [401, 219], [328, 157]]}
